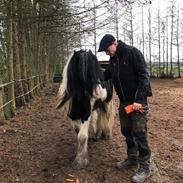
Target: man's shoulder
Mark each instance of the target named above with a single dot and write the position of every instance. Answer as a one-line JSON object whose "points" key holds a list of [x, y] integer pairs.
{"points": [[123, 48], [132, 48], [128, 47]]}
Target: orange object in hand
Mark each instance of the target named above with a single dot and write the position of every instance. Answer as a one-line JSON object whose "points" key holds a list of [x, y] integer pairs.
{"points": [[129, 109]]}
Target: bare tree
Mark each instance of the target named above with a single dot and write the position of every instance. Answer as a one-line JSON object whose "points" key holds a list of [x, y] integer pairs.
{"points": [[10, 96], [163, 49], [143, 43], [177, 37], [159, 43], [150, 38], [167, 45], [171, 36]]}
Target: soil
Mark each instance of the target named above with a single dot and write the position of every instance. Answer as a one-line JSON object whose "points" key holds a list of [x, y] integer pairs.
{"points": [[38, 144]]}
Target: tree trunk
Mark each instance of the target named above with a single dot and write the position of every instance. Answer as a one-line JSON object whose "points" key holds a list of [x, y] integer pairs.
{"points": [[159, 44], [17, 70], [143, 29], [35, 42], [22, 57], [29, 59], [171, 43], [1, 100], [131, 25], [116, 19], [167, 49], [150, 56], [163, 69], [10, 89], [178, 56]]}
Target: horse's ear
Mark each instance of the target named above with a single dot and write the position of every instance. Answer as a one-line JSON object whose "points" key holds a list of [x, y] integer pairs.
{"points": [[91, 53], [75, 53]]}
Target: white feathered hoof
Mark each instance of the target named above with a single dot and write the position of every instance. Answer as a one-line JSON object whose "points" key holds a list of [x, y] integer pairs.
{"points": [[103, 135], [79, 163]]}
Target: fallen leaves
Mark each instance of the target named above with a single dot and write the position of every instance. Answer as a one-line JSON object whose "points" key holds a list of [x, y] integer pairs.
{"points": [[77, 180], [71, 178]]}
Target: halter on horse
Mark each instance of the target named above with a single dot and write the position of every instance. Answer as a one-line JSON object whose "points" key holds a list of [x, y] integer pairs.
{"points": [[87, 100]]}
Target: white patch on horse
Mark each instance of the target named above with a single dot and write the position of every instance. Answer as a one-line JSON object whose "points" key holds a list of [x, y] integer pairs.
{"points": [[100, 93]]}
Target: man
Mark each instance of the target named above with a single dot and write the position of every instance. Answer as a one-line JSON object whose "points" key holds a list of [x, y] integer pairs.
{"points": [[127, 69]]}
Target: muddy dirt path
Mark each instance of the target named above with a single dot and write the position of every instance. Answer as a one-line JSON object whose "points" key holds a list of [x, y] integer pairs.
{"points": [[37, 145]]}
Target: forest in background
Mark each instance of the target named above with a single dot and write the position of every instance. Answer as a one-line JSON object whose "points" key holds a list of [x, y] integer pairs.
{"points": [[37, 37]]}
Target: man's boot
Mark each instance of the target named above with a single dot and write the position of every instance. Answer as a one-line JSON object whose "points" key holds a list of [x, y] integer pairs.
{"points": [[141, 175], [144, 170], [127, 163]]}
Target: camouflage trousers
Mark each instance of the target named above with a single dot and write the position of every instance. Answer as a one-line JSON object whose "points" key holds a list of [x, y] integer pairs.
{"points": [[134, 129]]}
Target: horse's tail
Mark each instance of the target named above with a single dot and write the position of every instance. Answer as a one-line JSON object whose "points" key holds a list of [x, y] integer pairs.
{"points": [[62, 101], [63, 93]]}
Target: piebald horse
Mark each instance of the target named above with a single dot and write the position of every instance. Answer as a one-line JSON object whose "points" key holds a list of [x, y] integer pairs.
{"points": [[87, 101]]}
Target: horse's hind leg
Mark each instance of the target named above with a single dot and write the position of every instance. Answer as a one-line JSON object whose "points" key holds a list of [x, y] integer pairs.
{"points": [[81, 159], [106, 120], [103, 130]]}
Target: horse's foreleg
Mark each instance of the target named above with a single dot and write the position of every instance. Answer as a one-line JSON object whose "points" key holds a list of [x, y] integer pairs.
{"points": [[93, 125], [76, 125], [81, 159], [110, 116]]}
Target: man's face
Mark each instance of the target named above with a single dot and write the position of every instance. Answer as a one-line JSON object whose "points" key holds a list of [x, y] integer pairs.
{"points": [[111, 50]]}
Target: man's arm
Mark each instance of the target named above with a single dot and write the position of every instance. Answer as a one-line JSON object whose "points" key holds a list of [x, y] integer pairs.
{"points": [[143, 89]]}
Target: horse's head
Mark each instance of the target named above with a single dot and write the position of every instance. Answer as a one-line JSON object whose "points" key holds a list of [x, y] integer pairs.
{"points": [[84, 72]]}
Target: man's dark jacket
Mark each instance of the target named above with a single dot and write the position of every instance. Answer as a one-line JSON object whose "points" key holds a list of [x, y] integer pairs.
{"points": [[128, 71]]}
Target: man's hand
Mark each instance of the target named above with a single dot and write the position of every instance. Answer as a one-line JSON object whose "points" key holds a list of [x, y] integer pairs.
{"points": [[137, 106]]}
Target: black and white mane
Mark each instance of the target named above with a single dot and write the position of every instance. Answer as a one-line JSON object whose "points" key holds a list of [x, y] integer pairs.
{"points": [[82, 82], [83, 75]]}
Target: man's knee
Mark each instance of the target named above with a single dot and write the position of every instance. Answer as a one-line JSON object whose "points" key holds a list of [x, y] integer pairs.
{"points": [[142, 142]]}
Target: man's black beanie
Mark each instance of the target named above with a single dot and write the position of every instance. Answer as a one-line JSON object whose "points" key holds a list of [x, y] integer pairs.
{"points": [[105, 42]]}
